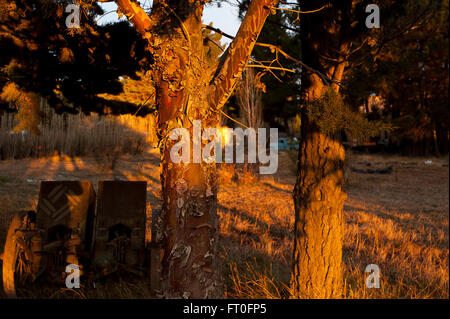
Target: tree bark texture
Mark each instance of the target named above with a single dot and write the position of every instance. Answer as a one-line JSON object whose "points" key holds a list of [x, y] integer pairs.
{"points": [[188, 89], [319, 231], [317, 271]]}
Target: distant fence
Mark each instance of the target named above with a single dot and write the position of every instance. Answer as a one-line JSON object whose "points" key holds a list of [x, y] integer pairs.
{"points": [[77, 135]]}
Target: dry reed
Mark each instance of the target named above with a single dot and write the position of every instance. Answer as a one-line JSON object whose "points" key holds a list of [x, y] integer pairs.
{"points": [[77, 135]]}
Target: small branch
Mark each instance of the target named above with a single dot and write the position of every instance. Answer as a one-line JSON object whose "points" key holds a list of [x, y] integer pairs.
{"points": [[271, 72], [269, 67], [283, 26], [183, 27], [358, 48], [233, 119], [218, 45], [327, 57], [137, 16], [233, 61], [275, 48], [104, 15], [205, 26], [297, 11]]}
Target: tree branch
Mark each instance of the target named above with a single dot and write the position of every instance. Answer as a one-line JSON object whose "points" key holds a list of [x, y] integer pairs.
{"points": [[136, 15], [226, 35], [268, 67], [235, 58], [275, 48], [214, 42], [298, 11]]}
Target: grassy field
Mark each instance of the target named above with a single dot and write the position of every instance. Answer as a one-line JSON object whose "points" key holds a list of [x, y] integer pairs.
{"points": [[399, 221]]}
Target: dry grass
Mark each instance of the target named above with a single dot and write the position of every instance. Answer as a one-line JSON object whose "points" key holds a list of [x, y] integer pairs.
{"points": [[114, 287], [398, 221], [77, 135]]}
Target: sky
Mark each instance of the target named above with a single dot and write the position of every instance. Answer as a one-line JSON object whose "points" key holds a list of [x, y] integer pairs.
{"points": [[224, 18]]}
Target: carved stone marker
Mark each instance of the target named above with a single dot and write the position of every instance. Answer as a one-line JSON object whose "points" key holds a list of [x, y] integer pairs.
{"points": [[120, 224]]}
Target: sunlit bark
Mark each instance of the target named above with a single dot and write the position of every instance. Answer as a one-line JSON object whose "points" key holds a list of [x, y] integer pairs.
{"points": [[319, 200], [189, 89], [318, 194]]}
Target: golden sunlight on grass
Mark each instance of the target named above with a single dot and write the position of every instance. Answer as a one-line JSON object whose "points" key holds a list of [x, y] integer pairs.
{"points": [[398, 221]]}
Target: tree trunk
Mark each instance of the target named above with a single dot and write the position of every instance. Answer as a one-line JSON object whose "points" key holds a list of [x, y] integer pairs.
{"points": [[317, 270], [187, 228], [189, 89], [319, 201], [188, 231]]}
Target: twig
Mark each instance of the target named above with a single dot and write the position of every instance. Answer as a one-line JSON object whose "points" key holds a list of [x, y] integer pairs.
{"points": [[232, 119], [142, 105], [218, 45], [269, 67], [297, 11], [271, 72], [183, 27], [218, 31], [326, 79]]}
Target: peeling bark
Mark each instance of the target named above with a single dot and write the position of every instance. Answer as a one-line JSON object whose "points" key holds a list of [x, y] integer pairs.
{"points": [[188, 89]]}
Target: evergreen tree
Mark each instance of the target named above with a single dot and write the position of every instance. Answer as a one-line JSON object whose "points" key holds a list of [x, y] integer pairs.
{"points": [[67, 67]]}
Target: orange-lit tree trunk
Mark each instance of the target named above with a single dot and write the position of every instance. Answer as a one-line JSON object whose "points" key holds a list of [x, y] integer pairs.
{"points": [[319, 200], [318, 195], [188, 89]]}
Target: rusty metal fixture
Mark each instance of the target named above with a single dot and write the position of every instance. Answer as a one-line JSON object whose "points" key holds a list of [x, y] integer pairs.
{"points": [[120, 224], [17, 255], [66, 209], [65, 217], [67, 229]]}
